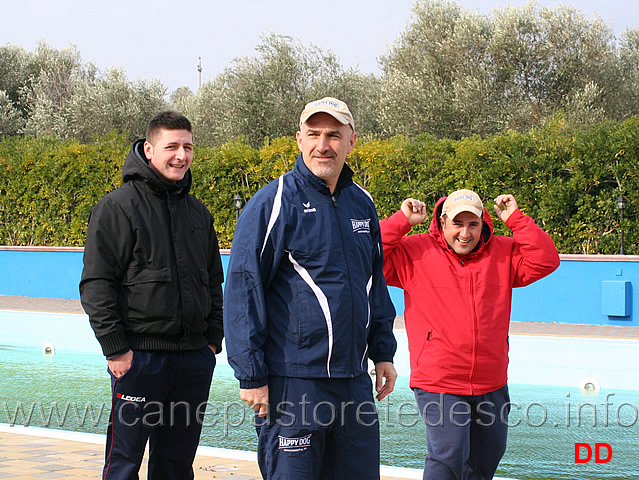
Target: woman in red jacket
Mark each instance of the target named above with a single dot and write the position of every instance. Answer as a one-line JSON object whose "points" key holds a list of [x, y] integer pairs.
{"points": [[458, 282]]}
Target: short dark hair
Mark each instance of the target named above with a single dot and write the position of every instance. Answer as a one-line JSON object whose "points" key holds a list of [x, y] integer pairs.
{"points": [[167, 120]]}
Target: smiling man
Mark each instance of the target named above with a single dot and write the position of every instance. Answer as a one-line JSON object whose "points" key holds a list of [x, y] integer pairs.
{"points": [[151, 285], [307, 306], [169, 152], [458, 282]]}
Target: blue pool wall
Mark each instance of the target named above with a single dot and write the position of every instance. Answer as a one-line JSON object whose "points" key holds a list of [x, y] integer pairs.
{"points": [[576, 293], [585, 289]]}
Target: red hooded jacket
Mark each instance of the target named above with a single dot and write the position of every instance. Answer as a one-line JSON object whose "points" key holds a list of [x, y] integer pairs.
{"points": [[457, 308]]}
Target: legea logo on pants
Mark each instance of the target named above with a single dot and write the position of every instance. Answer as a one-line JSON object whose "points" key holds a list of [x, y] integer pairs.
{"points": [[130, 398], [295, 444]]}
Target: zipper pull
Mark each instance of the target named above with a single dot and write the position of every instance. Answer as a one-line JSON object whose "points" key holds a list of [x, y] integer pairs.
{"points": [[334, 201]]}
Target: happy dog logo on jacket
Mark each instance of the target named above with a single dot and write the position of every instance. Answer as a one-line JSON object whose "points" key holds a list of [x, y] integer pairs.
{"points": [[361, 226], [295, 444]]}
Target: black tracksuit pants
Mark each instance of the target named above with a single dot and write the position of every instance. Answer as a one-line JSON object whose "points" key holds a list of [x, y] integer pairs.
{"points": [[162, 399]]}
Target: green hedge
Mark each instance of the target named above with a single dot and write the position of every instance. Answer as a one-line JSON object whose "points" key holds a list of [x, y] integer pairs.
{"points": [[568, 180]]}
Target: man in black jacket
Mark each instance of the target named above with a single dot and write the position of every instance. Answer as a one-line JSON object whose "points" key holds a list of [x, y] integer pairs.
{"points": [[151, 286]]}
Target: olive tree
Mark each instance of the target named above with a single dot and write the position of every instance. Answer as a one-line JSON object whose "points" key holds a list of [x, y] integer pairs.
{"points": [[453, 73], [14, 75], [553, 59], [629, 72], [436, 76], [11, 121], [262, 96], [54, 92], [52, 77], [111, 102]]}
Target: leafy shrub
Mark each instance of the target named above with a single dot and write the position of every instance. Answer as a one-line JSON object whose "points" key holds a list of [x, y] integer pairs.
{"points": [[567, 179]]}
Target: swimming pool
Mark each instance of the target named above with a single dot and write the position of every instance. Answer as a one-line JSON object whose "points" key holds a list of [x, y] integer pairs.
{"points": [[70, 390]]}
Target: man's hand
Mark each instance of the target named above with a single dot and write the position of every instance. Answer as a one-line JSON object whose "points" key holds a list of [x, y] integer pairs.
{"points": [[120, 364], [213, 348], [415, 210], [509, 204], [384, 370], [256, 398]]}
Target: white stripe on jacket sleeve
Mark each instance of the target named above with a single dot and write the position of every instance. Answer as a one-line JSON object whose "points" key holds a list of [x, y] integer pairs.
{"points": [[275, 213], [369, 286]]}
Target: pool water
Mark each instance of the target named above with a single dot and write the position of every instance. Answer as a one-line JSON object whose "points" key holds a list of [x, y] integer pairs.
{"points": [[71, 391]]}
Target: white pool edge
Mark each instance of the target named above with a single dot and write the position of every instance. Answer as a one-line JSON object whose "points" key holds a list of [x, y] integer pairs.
{"points": [[94, 438]]}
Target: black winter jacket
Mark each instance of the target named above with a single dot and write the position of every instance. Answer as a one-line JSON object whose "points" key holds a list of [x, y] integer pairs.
{"points": [[152, 270]]}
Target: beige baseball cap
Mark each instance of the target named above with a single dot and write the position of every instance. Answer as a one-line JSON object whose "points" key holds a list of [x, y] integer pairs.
{"points": [[334, 107], [463, 201]]}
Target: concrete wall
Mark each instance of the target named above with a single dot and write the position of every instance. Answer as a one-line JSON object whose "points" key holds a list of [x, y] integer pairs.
{"points": [[588, 289]]}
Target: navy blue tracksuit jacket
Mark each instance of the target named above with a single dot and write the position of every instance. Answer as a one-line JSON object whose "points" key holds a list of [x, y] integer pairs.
{"points": [[305, 294]]}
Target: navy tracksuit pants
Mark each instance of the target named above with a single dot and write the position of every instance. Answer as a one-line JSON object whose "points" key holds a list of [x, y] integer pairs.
{"points": [[162, 399], [465, 434], [319, 428]]}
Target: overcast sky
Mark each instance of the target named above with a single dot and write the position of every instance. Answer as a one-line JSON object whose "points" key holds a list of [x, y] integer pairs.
{"points": [[163, 38]]}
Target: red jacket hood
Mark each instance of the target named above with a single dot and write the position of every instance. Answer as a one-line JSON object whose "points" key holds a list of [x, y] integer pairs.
{"points": [[435, 228]]}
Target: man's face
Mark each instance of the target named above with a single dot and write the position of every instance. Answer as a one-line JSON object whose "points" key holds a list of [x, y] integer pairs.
{"points": [[171, 153], [463, 232], [325, 143]]}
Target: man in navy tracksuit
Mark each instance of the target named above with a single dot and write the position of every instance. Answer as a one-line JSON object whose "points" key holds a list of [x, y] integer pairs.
{"points": [[151, 285], [307, 306]]}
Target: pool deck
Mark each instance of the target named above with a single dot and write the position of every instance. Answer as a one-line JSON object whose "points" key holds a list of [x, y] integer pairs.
{"points": [[58, 305], [32, 453], [38, 453]]}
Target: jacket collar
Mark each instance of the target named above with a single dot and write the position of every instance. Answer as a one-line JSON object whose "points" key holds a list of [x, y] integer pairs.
{"points": [[345, 178]]}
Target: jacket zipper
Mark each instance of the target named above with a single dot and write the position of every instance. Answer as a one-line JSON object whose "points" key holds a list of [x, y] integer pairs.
{"points": [[176, 259], [474, 352], [348, 271]]}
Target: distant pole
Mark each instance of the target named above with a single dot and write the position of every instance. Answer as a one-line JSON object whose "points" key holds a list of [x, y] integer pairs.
{"points": [[199, 73], [621, 203]]}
